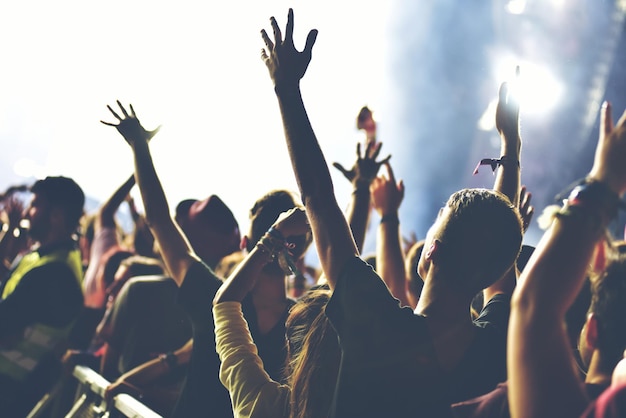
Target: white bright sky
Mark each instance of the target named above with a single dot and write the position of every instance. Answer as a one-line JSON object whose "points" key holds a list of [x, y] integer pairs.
{"points": [[192, 66]]}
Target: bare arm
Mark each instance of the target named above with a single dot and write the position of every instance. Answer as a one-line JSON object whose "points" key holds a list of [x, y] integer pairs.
{"points": [[361, 175], [387, 195], [508, 173], [175, 249], [134, 381], [542, 378], [106, 215], [331, 233]]}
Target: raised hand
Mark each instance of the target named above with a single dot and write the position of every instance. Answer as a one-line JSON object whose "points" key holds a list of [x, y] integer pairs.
{"points": [[285, 64], [293, 222], [129, 126], [507, 113], [525, 209], [365, 168], [387, 194], [609, 165]]}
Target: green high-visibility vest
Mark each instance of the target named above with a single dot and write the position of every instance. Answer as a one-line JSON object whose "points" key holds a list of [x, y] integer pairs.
{"points": [[21, 358]]}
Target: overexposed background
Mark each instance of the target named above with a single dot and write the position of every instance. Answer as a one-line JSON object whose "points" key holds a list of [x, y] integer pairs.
{"points": [[430, 70]]}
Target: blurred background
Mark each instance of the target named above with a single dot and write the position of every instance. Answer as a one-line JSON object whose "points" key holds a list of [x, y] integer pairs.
{"points": [[429, 70]]}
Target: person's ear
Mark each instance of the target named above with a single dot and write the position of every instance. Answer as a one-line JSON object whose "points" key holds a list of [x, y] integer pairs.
{"points": [[433, 251], [244, 243], [591, 333]]}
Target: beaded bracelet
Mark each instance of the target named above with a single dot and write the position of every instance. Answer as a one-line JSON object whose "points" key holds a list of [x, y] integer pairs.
{"points": [[591, 201], [588, 192], [276, 233], [592, 219]]}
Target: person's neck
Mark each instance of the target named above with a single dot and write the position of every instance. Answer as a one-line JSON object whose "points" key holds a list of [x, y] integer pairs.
{"points": [[442, 304], [595, 374], [449, 322], [53, 239]]}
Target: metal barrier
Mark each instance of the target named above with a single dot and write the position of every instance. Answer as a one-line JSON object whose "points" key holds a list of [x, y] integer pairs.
{"points": [[90, 402]]}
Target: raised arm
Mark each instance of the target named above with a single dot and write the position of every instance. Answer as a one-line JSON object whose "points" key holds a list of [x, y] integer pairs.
{"points": [[507, 122], [331, 233], [253, 393], [361, 175], [176, 251], [507, 179], [542, 379], [106, 214], [387, 195]]}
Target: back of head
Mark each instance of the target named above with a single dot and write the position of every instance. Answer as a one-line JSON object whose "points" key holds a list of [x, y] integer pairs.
{"points": [[314, 356], [481, 238], [264, 213], [62, 193], [608, 303]]}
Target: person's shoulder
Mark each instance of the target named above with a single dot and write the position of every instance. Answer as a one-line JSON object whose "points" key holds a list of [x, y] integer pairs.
{"points": [[145, 286], [357, 274], [52, 271], [151, 281], [199, 283], [201, 269]]}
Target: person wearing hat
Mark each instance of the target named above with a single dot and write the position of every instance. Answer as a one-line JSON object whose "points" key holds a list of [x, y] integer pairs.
{"points": [[210, 227], [189, 249]]}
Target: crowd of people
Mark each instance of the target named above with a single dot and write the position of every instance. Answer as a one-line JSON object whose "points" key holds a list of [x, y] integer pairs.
{"points": [[199, 319]]}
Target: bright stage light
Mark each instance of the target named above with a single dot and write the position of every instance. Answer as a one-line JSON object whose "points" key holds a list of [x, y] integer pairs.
{"points": [[516, 7], [537, 90], [536, 87]]}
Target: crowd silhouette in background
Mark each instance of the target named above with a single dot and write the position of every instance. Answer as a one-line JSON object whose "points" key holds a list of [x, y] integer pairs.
{"points": [[197, 318]]}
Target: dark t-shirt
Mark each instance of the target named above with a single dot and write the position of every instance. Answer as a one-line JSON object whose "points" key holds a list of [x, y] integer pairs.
{"points": [[146, 321], [203, 390], [272, 346], [389, 366]]}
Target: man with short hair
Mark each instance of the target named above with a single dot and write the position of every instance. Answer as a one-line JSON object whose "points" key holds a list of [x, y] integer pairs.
{"points": [[42, 296], [396, 362]]}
